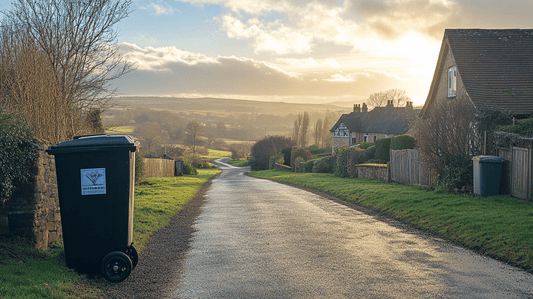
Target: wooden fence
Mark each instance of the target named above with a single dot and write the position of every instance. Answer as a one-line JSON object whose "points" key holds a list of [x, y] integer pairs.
{"points": [[158, 167], [406, 168], [517, 172]]}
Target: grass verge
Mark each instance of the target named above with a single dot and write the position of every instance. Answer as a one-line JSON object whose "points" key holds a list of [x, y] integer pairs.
{"points": [[30, 273], [240, 163], [497, 226]]}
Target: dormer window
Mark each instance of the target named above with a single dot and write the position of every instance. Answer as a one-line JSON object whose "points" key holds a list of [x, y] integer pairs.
{"points": [[452, 81], [341, 131]]}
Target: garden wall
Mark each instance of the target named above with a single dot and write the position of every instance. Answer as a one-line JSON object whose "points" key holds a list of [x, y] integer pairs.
{"points": [[33, 209], [282, 167], [373, 172]]}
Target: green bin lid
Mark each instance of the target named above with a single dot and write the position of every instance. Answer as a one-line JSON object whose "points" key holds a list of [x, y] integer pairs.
{"points": [[489, 159], [98, 142]]}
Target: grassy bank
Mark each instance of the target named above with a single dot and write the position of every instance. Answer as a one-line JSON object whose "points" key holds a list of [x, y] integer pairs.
{"points": [[27, 273], [498, 226]]}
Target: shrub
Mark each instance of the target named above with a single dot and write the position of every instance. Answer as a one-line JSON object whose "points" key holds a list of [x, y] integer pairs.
{"points": [[402, 142], [308, 166], [287, 156], [382, 149], [189, 166], [365, 145], [324, 165], [341, 167], [371, 152], [269, 146], [457, 175], [355, 156], [523, 127], [299, 152], [17, 152], [315, 150], [278, 158]]}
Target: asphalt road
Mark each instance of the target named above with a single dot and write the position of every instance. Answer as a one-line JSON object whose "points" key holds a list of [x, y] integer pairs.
{"points": [[260, 239]]}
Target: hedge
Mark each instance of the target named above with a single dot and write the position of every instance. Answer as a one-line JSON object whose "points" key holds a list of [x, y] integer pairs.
{"points": [[382, 149], [401, 142]]}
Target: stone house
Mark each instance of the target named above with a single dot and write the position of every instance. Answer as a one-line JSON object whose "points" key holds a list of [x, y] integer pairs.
{"points": [[489, 68], [362, 125]]}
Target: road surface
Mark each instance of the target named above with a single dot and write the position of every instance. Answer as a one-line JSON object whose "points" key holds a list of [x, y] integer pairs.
{"points": [[260, 239]]}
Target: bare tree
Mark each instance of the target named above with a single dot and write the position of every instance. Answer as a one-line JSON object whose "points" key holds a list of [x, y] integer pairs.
{"points": [[193, 133], [380, 99], [240, 150], [304, 130], [151, 136], [296, 128], [318, 132], [79, 44], [448, 134]]}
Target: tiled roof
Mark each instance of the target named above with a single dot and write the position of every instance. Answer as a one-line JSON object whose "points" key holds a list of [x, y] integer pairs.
{"points": [[496, 66], [396, 120]]}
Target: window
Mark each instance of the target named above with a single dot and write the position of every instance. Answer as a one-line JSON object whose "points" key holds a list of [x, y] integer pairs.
{"points": [[452, 81], [374, 138], [341, 131], [354, 140], [365, 138]]}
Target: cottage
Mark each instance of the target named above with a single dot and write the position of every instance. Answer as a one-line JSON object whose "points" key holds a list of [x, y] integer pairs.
{"points": [[489, 68], [368, 126]]}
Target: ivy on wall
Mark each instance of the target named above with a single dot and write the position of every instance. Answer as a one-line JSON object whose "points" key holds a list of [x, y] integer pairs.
{"points": [[17, 152]]}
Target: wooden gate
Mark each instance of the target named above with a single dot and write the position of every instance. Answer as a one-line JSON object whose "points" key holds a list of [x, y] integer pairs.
{"points": [[520, 165]]}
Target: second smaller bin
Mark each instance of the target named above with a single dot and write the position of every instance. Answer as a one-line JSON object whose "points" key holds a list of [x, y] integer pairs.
{"points": [[487, 175]]}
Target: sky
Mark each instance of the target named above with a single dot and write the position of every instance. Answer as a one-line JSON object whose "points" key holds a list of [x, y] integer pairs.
{"points": [[296, 51]]}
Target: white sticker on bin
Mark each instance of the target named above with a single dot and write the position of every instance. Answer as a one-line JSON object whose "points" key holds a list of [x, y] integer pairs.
{"points": [[93, 181]]}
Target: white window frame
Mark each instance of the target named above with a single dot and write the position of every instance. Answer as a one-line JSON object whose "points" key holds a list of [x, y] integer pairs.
{"points": [[365, 138], [452, 81]]}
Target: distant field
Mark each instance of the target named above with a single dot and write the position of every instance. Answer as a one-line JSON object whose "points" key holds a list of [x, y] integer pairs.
{"points": [[216, 154], [122, 129]]}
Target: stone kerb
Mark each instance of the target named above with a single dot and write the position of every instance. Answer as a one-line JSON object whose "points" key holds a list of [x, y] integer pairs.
{"points": [[33, 210]]}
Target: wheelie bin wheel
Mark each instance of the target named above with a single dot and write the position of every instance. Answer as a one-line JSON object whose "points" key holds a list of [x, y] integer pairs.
{"points": [[116, 266], [133, 255]]}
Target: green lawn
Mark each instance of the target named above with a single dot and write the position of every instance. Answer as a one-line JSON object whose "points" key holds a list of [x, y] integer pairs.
{"points": [[498, 226], [26, 273]]}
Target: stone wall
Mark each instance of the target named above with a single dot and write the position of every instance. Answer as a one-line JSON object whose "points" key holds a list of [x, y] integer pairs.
{"points": [[33, 210], [373, 172], [282, 167]]}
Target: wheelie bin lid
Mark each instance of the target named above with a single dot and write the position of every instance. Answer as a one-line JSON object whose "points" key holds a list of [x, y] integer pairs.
{"points": [[98, 142], [489, 159]]}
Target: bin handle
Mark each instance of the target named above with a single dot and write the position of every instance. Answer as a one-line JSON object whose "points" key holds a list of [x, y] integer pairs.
{"points": [[80, 136]]}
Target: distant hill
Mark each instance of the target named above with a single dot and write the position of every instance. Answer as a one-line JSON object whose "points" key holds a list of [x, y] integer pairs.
{"points": [[230, 106]]}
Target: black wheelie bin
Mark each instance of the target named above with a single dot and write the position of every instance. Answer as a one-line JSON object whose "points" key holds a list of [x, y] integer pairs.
{"points": [[95, 178]]}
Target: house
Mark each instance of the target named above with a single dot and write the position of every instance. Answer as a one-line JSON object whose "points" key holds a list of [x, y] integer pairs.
{"points": [[493, 69], [368, 126]]}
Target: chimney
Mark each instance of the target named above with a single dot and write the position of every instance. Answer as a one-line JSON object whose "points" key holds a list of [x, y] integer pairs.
{"points": [[409, 105], [357, 108], [390, 103], [365, 108]]}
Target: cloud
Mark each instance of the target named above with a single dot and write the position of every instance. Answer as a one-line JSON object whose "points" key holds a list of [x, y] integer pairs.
{"points": [[272, 37], [170, 71], [158, 9]]}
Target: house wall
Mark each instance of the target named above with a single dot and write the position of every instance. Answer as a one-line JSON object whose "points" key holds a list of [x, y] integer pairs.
{"points": [[340, 142], [441, 93], [345, 141]]}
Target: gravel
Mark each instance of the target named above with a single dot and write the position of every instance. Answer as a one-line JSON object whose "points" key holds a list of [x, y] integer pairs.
{"points": [[161, 261]]}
